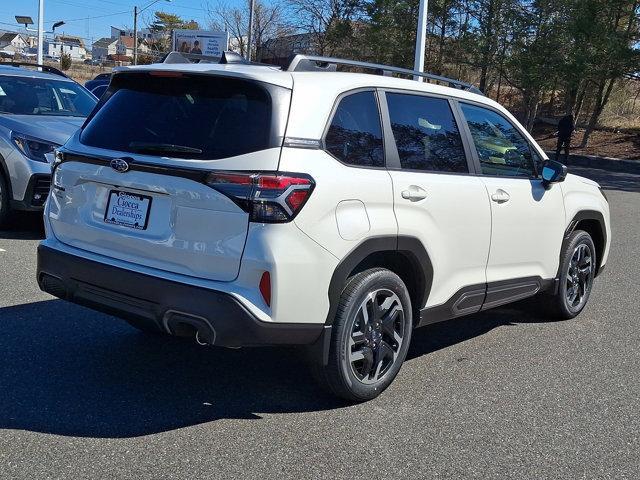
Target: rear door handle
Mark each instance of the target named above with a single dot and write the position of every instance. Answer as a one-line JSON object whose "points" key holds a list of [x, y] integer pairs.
{"points": [[500, 196], [414, 193]]}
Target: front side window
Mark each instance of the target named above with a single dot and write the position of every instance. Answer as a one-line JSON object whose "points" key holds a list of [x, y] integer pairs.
{"points": [[355, 133], [502, 149], [426, 134]]}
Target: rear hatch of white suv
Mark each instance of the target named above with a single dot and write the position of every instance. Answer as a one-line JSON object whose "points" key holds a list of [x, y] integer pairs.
{"points": [[161, 173]]}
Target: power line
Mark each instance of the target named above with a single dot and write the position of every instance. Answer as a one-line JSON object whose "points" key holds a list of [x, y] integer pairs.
{"points": [[11, 25], [78, 5], [82, 19], [171, 7]]}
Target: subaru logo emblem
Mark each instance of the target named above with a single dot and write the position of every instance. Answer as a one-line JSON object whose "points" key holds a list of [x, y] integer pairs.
{"points": [[119, 165]]}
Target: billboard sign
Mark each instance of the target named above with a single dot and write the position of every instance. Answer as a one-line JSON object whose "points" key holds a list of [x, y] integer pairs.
{"points": [[200, 42]]}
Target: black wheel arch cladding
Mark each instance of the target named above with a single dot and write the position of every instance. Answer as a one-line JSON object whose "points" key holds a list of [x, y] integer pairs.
{"points": [[599, 237], [362, 256]]}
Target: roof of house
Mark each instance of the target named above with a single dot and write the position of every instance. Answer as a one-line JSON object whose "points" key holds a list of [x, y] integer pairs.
{"points": [[70, 40], [8, 37], [118, 57], [126, 41], [104, 42]]}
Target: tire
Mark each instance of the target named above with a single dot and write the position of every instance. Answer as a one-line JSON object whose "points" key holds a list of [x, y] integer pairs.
{"points": [[577, 271], [366, 352], [5, 208]]}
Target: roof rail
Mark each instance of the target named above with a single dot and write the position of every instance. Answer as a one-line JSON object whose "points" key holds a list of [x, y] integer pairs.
{"points": [[312, 63], [45, 68]]}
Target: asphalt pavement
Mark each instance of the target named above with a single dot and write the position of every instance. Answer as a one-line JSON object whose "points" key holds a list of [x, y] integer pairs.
{"points": [[502, 394]]}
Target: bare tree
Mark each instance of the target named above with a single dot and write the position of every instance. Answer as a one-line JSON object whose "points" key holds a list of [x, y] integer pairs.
{"points": [[330, 21], [268, 22]]}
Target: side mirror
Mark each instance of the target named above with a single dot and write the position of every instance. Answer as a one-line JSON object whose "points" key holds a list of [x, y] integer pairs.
{"points": [[553, 172]]}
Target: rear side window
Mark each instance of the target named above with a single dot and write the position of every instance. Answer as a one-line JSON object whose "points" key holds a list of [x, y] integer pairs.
{"points": [[426, 134], [188, 116], [355, 134]]}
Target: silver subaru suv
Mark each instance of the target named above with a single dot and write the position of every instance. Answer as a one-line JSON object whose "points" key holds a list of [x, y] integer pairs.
{"points": [[39, 111]]}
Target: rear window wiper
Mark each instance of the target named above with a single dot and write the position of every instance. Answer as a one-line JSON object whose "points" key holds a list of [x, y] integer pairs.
{"points": [[162, 147]]}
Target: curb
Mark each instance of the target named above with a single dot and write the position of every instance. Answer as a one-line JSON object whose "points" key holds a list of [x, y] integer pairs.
{"points": [[605, 163]]}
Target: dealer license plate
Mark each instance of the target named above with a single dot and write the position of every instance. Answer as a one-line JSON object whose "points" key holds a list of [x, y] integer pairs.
{"points": [[127, 209]]}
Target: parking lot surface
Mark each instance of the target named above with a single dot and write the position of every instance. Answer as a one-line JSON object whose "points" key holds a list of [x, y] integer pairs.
{"points": [[502, 394]]}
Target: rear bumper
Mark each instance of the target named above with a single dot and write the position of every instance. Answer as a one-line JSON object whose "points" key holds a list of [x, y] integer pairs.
{"points": [[165, 305]]}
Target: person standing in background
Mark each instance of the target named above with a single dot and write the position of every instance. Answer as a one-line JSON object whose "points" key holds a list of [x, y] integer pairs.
{"points": [[566, 126]]}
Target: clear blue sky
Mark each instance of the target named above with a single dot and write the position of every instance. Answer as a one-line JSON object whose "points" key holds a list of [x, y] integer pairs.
{"points": [[91, 19]]}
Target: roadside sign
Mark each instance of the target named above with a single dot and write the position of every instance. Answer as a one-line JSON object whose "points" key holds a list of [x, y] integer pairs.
{"points": [[200, 42]]}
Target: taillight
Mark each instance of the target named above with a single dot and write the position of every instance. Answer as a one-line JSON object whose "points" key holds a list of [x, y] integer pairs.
{"points": [[268, 198]]}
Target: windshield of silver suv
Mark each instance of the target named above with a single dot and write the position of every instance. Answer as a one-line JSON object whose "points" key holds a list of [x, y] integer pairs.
{"points": [[41, 96], [202, 117]]}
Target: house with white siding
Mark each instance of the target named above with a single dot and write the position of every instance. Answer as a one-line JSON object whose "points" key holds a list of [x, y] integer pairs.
{"points": [[104, 47], [66, 44], [13, 42]]}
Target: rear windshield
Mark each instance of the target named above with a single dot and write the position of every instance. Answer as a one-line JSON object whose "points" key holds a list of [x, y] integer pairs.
{"points": [[188, 116], [41, 96]]}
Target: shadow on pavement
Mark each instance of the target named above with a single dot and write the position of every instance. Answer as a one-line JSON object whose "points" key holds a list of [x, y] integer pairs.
{"points": [[444, 334], [24, 226], [67, 370], [609, 180]]}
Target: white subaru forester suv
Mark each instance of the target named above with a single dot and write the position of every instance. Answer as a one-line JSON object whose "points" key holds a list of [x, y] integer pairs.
{"points": [[245, 205]]}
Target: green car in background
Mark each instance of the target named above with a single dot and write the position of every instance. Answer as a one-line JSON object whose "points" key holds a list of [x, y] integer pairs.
{"points": [[496, 150]]}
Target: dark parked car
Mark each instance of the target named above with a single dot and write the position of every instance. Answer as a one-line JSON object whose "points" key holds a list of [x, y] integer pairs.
{"points": [[100, 79], [99, 90]]}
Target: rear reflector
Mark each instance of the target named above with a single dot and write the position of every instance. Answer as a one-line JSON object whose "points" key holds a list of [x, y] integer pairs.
{"points": [[296, 198], [265, 288], [268, 198]]}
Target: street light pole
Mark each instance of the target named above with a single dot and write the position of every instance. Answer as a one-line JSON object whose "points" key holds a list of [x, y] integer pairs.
{"points": [[252, 7], [421, 38], [40, 31], [26, 21], [135, 35]]}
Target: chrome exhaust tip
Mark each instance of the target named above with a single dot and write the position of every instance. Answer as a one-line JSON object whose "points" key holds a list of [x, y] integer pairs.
{"points": [[183, 324]]}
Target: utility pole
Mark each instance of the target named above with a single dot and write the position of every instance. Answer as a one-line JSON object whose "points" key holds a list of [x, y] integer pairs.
{"points": [[251, 9], [421, 38], [40, 31], [135, 28], [135, 36]]}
